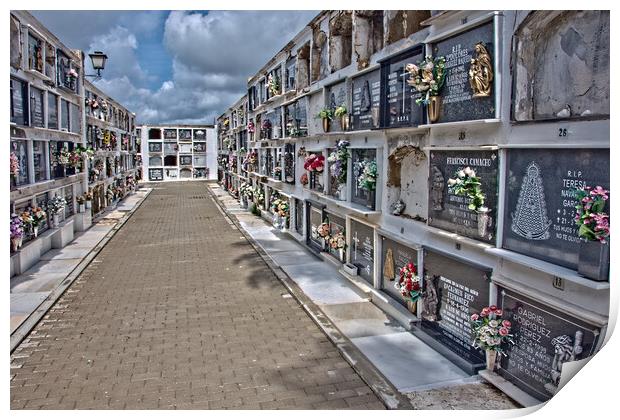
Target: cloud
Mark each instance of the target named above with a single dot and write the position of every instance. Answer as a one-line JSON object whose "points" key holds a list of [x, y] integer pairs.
{"points": [[211, 56], [120, 45]]}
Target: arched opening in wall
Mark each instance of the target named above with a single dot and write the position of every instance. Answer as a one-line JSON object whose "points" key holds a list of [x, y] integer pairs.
{"points": [[302, 68], [402, 23], [340, 40], [154, 133], [368, 34], [185, 173], [155, 161], [562, 65], [170, 160], [319, 54]]}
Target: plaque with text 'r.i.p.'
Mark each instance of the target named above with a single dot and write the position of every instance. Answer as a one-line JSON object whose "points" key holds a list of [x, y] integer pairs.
{"points": [[449, 211], [544, 339], [540, 200], [457, 95]]}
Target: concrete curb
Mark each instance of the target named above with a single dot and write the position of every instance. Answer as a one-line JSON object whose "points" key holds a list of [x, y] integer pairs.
{"points": [[380, 385], [33, 319]]}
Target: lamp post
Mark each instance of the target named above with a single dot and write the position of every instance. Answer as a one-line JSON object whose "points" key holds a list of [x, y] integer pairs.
{"points": [[98, 60]]}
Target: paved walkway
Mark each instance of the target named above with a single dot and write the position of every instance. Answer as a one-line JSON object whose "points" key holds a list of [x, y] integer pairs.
{"points": [[426, 377], [179, 311], [32, 287]]}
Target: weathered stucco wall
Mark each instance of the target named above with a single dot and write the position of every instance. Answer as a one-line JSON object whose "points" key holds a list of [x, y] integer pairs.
{"points": [[562, 65]]}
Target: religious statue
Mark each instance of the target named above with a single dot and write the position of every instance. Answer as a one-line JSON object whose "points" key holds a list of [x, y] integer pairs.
{"points": [[388, 267], [430, 299], [565, 351], [481, 72], [530, 218], [437, 186]]}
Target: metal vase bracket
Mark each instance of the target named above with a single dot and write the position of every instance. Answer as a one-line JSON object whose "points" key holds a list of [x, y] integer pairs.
{"points": [[594, 260], [434, 108], [326, 125], [484, 222], [491, 356]]}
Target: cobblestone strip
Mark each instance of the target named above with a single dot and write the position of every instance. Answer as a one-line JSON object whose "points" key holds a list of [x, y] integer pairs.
{"points": [[371, 375], [29, 323], [179, 311]]}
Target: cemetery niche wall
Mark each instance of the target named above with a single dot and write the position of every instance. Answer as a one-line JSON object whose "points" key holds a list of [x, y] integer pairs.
{"points": [[453, 291], [544, 340], [540, 200], [469, 88], [451, 211]]}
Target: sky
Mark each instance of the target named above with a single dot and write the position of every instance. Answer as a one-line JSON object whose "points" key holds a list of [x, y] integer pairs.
{"points": [[184, 67]]}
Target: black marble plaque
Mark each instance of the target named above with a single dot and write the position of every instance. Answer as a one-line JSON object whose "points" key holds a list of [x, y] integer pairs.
{"points": [[454, 290], [449, 211], [315, 218], [543, 337], [299, 216], [400, 109], [366, 103], [200, 134], [185, 160], [362, 249], [185, 134], [36, 96], [18, 104], [401, 256], [170, 134], [540, 204], [156, 174], [458, 104], [337, 96], [155, 147]]}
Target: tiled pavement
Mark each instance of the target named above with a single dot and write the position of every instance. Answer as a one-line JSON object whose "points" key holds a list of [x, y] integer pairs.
{"points": [[178, 311]]}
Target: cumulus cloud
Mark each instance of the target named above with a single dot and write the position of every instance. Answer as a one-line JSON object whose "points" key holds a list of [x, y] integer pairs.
{"points": [[212, 55]]}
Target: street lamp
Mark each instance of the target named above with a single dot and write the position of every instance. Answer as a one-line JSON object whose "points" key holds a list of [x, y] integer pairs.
{"points": [[98, 60]]}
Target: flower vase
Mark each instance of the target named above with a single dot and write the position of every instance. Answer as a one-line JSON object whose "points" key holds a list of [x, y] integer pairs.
{"points": [[412, 306], [344, 122], [371, 200], [14, 244], [434, 108], [484, 220], [341, 254], [326, 125], [89, 204], [283, 223], [594, 260], [491, 358], [35, 231], [55, 219], [82, 208], [342, 192], [375, 116]]}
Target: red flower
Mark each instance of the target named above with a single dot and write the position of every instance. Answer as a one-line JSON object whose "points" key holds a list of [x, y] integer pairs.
{"points": [[475, 317], [416, 286], [485, 311], [499, 312], [503, 331], [492, 308], [506, 323]]}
